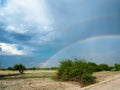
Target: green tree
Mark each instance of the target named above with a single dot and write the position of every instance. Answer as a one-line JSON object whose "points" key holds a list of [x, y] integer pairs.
{"points": [[19, 67], [104, 67], [93, 66], [10, 68], [117, 67]]}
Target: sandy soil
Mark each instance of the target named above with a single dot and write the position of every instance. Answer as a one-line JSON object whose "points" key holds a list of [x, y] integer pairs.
{"points": [[37, 84], [110, 83], [105, 80]]}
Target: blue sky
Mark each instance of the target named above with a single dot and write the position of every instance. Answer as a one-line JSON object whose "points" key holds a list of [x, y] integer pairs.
{"points": [[39, 33]]}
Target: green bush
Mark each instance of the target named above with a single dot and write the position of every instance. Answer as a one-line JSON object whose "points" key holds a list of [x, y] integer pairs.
{"points": [[87, 79], [104, 67], [117, 67], [64, 69], [94, 67], [75, 70]]}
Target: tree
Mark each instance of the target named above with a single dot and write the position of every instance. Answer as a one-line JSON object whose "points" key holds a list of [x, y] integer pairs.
{"points": [[104, 67], [117, 67], [93, 66], [19, 67], [10, 68]]}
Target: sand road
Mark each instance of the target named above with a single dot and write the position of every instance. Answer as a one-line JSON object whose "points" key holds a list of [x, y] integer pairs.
{"points": [[110, 83]]}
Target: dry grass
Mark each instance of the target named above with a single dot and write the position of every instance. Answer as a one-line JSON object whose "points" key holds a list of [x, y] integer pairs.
{"points": [[28, 74], [2, 72], [51, 73], [34, 80]]}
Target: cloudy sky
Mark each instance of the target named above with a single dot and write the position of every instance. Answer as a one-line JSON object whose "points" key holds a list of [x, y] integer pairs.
{"points": [[39, 33]]}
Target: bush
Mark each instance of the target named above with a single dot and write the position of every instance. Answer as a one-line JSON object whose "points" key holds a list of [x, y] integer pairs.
{"points": [[104, 67], [76, 70], [94, 67], [117, 67], [87, 79], [64, 69]]}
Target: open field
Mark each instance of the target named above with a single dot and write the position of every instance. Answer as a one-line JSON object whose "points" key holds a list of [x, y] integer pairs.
{"points": [[28, 74], [43, 80]]}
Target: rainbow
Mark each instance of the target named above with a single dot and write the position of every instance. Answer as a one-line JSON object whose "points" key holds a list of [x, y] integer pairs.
{"points": [[80, 22], [80, 41]]}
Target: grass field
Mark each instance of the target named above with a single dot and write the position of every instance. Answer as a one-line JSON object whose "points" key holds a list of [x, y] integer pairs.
{"points": [[6, 74], [48, 74]]}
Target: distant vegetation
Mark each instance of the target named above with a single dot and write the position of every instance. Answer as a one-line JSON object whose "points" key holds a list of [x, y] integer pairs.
{"points": [[117, 67], [35, 68], [82, 71], [18, 67]]}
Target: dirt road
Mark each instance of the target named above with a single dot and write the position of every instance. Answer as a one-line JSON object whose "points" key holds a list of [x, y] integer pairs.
{"points": [[111, 83], [114, 85]]}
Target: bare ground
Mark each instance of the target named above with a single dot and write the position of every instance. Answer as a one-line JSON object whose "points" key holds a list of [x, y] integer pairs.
{"points": [[103, 78], [41, 83], [36, 84], [109, 83]]}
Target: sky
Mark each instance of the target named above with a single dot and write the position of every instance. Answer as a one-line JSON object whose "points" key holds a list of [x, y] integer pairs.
{"points": [[40, 33]]}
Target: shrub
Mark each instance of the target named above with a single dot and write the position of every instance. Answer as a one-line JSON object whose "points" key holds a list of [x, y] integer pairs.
{"points": [[104, 67], [117, 67], [76, 70], [93, 66], [64, 69], [87, 79]]}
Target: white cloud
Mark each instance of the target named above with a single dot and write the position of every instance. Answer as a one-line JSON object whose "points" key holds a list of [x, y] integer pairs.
{"points": [[26, 13], [12, 28], [10, 49]]}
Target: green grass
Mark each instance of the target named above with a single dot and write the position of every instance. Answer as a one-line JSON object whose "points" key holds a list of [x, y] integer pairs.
{"points": [[37, 75], [30, 74]]}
